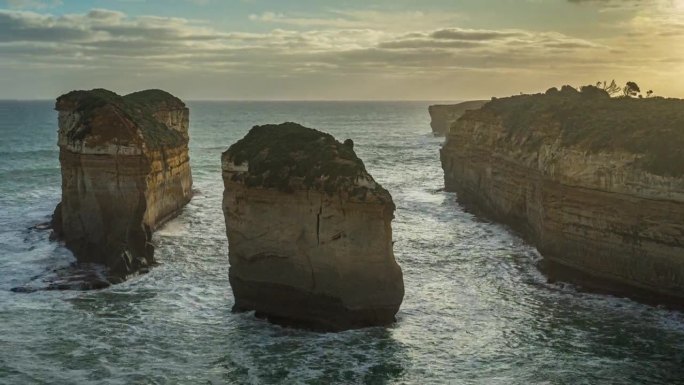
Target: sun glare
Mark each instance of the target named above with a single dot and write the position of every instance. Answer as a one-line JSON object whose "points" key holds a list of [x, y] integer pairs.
{"points": [[679, 5]]}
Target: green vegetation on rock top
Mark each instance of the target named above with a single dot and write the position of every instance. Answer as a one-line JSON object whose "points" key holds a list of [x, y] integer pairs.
{"points": [[139, 107], [458, 107], [288, 156], [154, 97], [591, 120]]}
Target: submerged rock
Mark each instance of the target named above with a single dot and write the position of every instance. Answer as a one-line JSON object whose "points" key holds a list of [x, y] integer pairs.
{"points": [[596, 183], [125, 171], [309, 231], [444, 115], [77, 276]]}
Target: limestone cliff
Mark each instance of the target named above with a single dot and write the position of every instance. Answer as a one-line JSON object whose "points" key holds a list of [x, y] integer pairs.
{"points": [[444, 115], [309, 231], [125, 170], [597, 183]]}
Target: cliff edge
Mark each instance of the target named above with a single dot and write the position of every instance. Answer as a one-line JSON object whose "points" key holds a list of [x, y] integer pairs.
{"points": [[309, 231], [444, 115], [125, 171], [596, 183]]}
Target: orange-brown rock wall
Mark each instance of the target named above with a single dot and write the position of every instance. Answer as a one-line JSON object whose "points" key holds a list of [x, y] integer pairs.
{"points": [[619, 227], [117, 188]]}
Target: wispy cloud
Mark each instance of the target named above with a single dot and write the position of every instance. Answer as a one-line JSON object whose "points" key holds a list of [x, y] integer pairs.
{"points": [[32, 4], [362, 19]]}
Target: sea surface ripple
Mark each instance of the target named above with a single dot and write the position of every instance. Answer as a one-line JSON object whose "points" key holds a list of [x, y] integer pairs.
{"points": [[476, 310]]}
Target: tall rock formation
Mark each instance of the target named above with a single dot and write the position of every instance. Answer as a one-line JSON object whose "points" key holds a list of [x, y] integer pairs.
{"points": [[444, 115], [596, 183], [125, 171], [309, 231]]}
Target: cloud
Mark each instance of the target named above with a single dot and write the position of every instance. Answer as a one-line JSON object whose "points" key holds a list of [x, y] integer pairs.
{"points": [[354, 47], [620, 5], [105, 38], [32, 4], [427, 44], [105, 15], [361, 19], [28, 26], [470, 34]]}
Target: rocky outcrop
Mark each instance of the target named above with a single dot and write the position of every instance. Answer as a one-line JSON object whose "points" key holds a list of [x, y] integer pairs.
{"points": [[125, 171], [444, 115], [309, 231], [597, 184]]}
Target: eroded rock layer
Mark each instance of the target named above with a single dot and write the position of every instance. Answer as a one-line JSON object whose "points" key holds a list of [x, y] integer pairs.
{"points": [[596, 183], [309, 231], [444, 115], [125, 171]]}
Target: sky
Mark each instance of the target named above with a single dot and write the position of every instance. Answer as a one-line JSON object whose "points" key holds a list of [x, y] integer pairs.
{"points": [[338, 49]]}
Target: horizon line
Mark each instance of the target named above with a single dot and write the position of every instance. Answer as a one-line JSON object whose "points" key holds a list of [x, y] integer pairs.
{"points": [[279, 100]]}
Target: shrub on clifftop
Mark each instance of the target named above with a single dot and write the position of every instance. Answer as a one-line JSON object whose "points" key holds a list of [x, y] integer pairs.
{"points": [[653, 127]]}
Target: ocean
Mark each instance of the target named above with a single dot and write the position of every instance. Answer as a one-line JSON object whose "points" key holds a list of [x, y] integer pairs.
{"points": [[476, 310]]}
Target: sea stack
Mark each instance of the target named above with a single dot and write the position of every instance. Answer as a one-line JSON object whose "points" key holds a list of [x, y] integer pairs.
{"points": [[444, 115], [125, 171], [309, 231], [596, 183]]}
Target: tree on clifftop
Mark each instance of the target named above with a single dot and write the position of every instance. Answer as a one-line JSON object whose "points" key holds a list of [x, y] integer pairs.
{"points": [[611, 88], [631, 89]]}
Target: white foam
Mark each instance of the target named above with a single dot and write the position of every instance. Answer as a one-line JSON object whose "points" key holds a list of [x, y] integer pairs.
{"points": [[173, 228]]}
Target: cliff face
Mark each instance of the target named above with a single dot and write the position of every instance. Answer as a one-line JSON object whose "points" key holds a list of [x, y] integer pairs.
{"points": [[596, 183], [125, 170], [309, 231], [444, 115]]}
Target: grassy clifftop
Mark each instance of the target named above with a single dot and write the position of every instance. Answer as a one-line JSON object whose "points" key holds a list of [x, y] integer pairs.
{"points": [[287, 156], [593, 121], [457, 108], [139, 107]]}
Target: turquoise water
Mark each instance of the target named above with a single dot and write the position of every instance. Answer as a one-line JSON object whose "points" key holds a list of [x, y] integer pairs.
{"points": [[476, 310]]}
